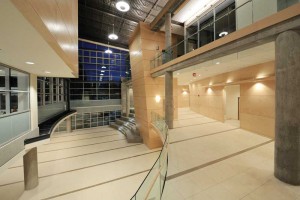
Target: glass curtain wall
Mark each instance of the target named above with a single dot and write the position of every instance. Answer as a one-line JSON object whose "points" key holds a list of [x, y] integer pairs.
{"points": [[51, 90], [52, 97], [100, 73], [14, 104], [14, 91], [213, 25]]}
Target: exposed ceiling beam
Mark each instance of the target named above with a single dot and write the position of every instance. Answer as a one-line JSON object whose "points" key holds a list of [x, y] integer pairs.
{"points": [[170, 7]]}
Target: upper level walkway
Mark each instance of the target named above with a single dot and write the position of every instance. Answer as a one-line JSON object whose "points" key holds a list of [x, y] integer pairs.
{"points": [[255, 34]]}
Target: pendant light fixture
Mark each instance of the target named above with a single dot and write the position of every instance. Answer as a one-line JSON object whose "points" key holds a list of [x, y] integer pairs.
{"points": [[113, 36], [123, 5], [108, 50]]}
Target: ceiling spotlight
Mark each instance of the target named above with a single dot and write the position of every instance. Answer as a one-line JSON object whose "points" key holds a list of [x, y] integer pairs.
{"points": [[102, 71], [122, 6], [47, 72], [29, 63], [103, 67], [108, 51], [217, 63], [223, 33], [101, 74]]}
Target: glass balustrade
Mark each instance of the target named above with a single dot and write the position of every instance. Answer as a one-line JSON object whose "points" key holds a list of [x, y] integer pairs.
{"points": [[218, 21], [153, 185]]}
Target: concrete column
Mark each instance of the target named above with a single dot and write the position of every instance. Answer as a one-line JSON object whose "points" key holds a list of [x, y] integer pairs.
{"points": [[169, 103], [123, 97], [287, 126], [127, 101], [168, 36], [69, 125], [30, 161]]}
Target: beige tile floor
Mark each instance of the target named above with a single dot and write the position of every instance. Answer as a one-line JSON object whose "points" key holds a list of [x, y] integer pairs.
{"points": [[88, 164], [208, 160], [219, 161]]}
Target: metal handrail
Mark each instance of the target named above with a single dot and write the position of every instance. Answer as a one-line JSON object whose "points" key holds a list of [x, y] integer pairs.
{"points": [[163, 157]]}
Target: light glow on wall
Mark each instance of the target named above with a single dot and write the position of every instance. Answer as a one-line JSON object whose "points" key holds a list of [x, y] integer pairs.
{"points": [[157, 98], [258, 86]]}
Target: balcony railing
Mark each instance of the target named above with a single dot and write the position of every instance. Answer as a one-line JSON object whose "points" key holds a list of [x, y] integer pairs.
{"points": [[217, 22], [153, 185]]}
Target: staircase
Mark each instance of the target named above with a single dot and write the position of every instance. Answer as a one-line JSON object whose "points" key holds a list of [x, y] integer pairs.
{"points": [[127, 126]]}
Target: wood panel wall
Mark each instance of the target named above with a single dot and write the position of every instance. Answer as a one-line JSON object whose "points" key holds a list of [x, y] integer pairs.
{"points": [[257, 101], [143, 48], [57, 22]]}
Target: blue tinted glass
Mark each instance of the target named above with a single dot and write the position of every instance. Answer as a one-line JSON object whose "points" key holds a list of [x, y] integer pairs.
{"points": [[80, 52], [104, 78], [115, 73], [93, 60], [90, 73], [106, 55], [101, 48], [90, 67], [80, 44], [123, 68], [114, 67], [112, 61], [115, 78], [93, 53], [90, 78], [118, 56], [106, 61], [123, 73], [87, 45], [86, 60], [99, 60], [86, 53], [118, 62], [99, 54], [80, 59]]}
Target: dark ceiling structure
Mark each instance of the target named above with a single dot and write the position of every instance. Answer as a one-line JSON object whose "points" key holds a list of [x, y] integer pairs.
{"points": [[98, 18]]}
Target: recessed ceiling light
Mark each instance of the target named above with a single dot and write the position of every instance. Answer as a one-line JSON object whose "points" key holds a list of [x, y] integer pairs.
{"points": [[113, 36], [102, 71], [217, 63], [103, 67], [47, 72], [101, 74], [29, 63], [223, 33], [178, 73], [122, 6]]}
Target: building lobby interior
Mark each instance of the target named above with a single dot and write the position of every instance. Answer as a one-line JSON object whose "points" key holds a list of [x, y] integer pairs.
{"points": [[150, 99]]}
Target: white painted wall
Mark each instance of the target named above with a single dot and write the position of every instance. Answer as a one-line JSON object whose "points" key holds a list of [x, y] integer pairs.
{"points": [[231, 102], [33, 101], [253, 11]]}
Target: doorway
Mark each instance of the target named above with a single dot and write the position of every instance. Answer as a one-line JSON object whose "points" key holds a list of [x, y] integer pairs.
{"points": [[232, 96]]}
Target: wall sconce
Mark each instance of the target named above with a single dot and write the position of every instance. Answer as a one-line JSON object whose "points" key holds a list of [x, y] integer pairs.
{"points": [[157, 98], [184, 92]]}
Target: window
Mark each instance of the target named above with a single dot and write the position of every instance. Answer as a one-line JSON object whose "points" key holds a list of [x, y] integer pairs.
{"points": [[99, 73], [51, 90], [14, 91]]}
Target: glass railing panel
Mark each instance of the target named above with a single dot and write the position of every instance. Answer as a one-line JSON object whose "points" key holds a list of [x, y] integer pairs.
{"points": [[9, 130], [224, 19], [148, 184], [153, 185]]}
